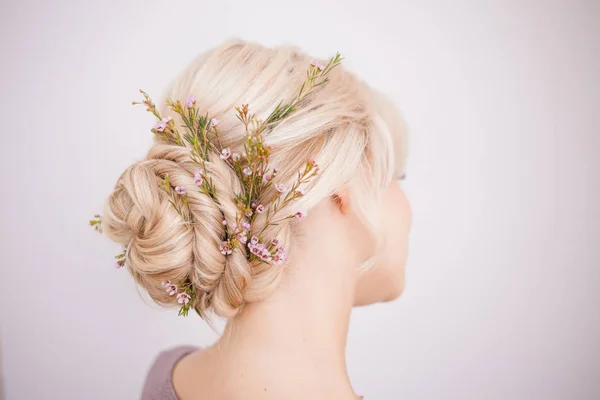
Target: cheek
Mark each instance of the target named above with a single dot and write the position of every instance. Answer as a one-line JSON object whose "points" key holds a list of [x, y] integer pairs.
{"points": [[385, 280], [399, 213], [398, 220]]}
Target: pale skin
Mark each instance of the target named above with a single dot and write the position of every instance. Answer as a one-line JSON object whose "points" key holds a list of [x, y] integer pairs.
{"points": [[292, 344]]}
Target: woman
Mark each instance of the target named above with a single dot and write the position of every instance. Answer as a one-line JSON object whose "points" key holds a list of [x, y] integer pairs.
{"points": [[270, 197]]}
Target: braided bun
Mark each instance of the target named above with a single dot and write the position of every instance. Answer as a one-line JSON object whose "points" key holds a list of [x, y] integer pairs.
{"points": [[163, 246]]}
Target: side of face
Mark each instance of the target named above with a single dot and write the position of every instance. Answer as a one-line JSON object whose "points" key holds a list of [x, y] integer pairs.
{"points": [[384, 281]]}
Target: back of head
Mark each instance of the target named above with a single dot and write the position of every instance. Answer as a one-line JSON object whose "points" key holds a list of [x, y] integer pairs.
{"points": [[343, 125]]}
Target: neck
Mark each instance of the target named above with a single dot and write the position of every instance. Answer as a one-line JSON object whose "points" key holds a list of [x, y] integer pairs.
{"points": [[303, 325]]}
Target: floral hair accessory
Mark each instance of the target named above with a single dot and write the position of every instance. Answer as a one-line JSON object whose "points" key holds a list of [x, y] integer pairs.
{"points": [[96, 223], [189, 103], [252, 168], [121, 259], [300, 214], [317, 65], [183, 298]]}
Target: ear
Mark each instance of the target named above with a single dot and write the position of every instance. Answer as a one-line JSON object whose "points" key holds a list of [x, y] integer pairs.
{"points": [[342, 201]]}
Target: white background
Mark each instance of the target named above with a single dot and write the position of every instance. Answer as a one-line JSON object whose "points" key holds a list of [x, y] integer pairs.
{"points": [[502, 100]]}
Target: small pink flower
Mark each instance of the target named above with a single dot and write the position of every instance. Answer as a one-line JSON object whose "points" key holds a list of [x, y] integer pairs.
{"points": [[181, 189], [275, 242], [224, 222], [165, 283], [280, 255], [254, 203], [225, 248], [118, 266], [171, 289], [246, 225], [189, 103], [254, 240], [225, 153], [265, 255], [260, 209], [280, 187], [267, 177], [235, 157], [233, 225], [301, 192], [162, 124], [249, 213], [300, 214], [275, 171], [197, 179], [242, 237], [214, 122], [279, 258], [183, 298], [259, 250], [317, 64], [247, 171]]}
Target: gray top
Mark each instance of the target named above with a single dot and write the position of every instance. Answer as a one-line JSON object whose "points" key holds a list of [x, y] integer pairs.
{"points": [[159, 382]]}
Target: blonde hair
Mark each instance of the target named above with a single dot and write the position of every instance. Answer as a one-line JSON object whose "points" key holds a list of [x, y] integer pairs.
{"points": [[344, 125]]}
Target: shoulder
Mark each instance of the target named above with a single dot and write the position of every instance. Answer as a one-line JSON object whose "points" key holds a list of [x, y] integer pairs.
{"points": [[159, 383]]}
